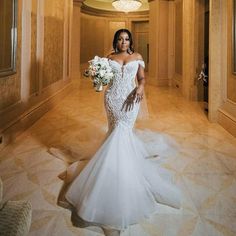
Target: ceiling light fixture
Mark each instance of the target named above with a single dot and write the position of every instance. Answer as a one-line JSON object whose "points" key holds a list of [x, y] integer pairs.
{"points": [[126, 5]]}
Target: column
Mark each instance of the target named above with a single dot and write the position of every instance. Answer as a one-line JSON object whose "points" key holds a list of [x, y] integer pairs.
{"points": [[75, 42], [217, 49], [153, 41], [188, 48], [159, 42]]}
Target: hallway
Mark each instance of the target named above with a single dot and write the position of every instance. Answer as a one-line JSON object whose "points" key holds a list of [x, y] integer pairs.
{"points": [[201, 157]]}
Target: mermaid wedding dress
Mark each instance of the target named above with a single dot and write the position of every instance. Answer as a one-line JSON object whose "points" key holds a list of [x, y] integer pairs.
{"points": [[119, 186]]}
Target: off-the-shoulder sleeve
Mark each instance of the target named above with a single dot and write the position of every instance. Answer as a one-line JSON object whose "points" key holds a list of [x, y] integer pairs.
{"points": [[141, 63]]}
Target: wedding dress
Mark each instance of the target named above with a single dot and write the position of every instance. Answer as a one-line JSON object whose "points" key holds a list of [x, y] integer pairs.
{"points": [[119, 186]]}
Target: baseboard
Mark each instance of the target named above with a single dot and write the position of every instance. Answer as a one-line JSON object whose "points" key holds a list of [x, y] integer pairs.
{"points": [[29, 117], [227, 121]]}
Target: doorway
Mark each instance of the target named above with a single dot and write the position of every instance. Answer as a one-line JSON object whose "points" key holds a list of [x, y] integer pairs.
{"points": [[202, 51]]}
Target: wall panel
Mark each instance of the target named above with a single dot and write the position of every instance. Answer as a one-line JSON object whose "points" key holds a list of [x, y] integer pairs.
{"points": [[231, 81], [41, 78], [53, 42], [178, 36], [10, 85], [92, 37]]}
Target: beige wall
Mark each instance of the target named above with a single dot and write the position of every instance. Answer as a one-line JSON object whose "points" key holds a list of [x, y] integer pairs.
{"points": [[159, 43], [178, 36], [140, 37], [53, 42], [10, 85], [231, 81], [5, 24], [97, 34], [153, 41], [92, 37], [189, 46], [176, 43], [34, 85], [75, 41], [227, 111], [42, 65], [163, 41]]}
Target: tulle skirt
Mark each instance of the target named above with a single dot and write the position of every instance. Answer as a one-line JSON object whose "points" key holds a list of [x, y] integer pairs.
{"points": [[120, 186]]}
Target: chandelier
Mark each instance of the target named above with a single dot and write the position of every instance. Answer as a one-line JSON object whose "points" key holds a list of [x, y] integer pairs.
{"points": [[126, 5]]}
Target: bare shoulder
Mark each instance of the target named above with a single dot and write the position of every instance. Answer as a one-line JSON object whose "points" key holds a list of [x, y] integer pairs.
{"points": [[137, 56], [111, 55]]}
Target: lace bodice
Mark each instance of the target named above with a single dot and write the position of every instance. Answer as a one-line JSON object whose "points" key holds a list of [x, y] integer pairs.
{"points": [[126, 72], [124, 81], [117, 92]]}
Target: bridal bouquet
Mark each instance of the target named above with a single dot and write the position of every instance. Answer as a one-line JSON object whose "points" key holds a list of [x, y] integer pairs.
{"points": [[100, 72]]}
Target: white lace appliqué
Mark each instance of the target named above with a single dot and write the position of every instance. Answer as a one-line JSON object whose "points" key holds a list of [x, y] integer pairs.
{"points": [[117, 92]]}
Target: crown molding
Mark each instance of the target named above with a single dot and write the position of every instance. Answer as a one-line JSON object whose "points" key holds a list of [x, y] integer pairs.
{"points": [[161, 0], [98, 12], [78, 2]]}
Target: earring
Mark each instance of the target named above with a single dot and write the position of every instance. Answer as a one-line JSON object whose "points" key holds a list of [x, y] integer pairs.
{"points": [[116, 50], [129, 50]]}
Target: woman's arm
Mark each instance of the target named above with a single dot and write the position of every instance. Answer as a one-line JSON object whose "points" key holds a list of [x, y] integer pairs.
{"points": [[141, 82], [137, 94]]}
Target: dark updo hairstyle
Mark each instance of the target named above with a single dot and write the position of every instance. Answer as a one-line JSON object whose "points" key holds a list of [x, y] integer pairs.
{"points": [[116, 37]]}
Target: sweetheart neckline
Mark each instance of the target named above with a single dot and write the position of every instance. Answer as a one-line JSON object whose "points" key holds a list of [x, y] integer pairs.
{"points": [[125, 63]]}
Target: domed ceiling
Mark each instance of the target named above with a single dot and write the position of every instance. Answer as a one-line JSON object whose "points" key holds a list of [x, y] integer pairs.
{"points": [[107, 5]]}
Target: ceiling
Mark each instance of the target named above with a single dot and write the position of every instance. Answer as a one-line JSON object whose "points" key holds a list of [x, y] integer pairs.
{"points": [[107, 5]]}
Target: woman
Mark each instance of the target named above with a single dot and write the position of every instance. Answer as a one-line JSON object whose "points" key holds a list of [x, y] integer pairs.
{"points": [[118, 186]]}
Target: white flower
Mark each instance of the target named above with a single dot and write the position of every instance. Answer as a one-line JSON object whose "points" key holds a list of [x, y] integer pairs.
{"points": [[100, 71]]}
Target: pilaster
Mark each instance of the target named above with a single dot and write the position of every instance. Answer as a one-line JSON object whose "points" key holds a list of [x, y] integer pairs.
{"points": [[215, 57], [75, 41], [188, 48], [153, 41]]}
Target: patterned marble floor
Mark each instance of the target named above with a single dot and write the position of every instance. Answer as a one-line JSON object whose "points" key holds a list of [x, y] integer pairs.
{"points": [[200, 156]]}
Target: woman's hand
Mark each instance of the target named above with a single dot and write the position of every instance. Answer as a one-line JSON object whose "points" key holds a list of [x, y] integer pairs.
{"points": [[139, 93], [129, 102], [134, 97]]}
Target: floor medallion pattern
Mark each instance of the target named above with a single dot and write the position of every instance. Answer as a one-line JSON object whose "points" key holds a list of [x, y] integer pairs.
{"points": [[200, 157]]}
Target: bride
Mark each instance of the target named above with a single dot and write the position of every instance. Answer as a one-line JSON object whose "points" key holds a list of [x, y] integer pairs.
{"points": [[119, 186]]}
